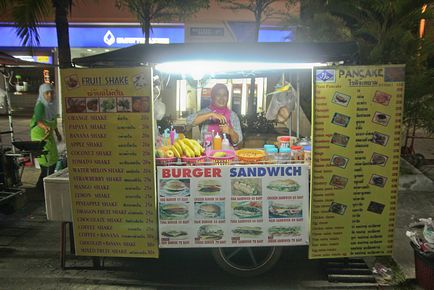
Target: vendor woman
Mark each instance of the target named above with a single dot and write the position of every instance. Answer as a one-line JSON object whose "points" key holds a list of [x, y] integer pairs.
{"points": [[217, 117], [42, 128]]}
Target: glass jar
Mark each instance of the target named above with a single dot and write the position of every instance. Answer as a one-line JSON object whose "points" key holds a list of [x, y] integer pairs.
{"points": [[285, 155], [307, 154], [297, 153]]}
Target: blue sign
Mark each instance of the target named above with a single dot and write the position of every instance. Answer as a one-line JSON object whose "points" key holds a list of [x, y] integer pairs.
{"points": [[326, 75], [96, 37], [117, 37]]}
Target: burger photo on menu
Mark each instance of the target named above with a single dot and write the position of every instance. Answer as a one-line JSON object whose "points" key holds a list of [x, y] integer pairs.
{"points": [[174, 234], [246, 186], [284, 210], [175, 187], [208, 210], [284, 231], [247, 232], [209, 187], [173, 211], [247, 210], [284, 185], [210, 232]]}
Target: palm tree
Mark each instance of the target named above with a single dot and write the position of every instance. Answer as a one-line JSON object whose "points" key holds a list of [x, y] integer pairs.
{"points": [[148, 11], [28, 14]]}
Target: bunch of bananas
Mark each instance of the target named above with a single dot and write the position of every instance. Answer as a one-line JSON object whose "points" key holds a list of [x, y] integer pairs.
{"points": [[187, 147]]}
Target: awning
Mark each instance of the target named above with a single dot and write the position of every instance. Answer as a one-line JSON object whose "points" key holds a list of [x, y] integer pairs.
{"points": [[298, 52]]}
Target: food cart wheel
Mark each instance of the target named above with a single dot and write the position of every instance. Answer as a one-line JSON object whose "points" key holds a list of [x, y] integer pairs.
{"points": [[247, 261]]}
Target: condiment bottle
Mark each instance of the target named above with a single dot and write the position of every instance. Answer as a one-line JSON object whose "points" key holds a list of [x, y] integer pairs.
{"points": [[217, 142], [207, 141], [297, 153], [226, 145]]}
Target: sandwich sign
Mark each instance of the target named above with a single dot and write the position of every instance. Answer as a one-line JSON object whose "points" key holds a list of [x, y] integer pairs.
{"points": [[232, 206]]}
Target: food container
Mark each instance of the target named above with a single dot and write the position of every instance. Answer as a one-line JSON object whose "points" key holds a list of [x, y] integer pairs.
{"points": [[297, 153], [284, 155], [250, 155], [221, 160], [307, 154], [194, 161], [272, 153], [288, 140], [165, 161]]}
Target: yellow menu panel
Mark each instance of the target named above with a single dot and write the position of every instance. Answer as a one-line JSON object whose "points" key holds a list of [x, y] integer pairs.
{"points": [[109, 136], [355, 164]]}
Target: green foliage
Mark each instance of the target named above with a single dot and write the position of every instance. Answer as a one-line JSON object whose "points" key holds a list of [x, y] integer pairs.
{"points": [[256, 123], [148, 11], [387, 33]]}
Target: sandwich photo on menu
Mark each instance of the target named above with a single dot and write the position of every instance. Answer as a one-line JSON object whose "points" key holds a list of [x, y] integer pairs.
{"points": [[247, 209], [284, 231], [246, 186], [209, 187], [174, 234], [174, 187], [284, 185], [247, 232], [284, 210], [210, 232]]}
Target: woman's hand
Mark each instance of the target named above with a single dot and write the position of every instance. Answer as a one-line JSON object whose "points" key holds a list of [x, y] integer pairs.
{"points": [[220, 118], [225, 129]]}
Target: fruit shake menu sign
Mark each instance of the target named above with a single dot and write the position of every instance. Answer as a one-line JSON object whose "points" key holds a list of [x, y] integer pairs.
{"points": [[355, 163], [232, 206], [109, 137]]}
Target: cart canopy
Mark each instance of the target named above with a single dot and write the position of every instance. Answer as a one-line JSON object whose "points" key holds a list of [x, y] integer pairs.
{"points": [[295, 52]]}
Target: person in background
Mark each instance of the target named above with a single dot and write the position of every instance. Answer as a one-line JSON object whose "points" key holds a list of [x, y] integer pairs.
{"points": [[217, 117], [43, 126]]}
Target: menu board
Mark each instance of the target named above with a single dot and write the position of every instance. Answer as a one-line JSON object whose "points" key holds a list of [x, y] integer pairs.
{"points": [[355, 163], [233, 206], [109, 137]]}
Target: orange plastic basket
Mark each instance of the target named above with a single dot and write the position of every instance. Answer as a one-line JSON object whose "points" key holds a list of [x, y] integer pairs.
{"points": [[250, 155]]}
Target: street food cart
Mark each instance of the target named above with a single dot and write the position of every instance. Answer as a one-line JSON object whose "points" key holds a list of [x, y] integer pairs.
{"points": [[244, 205]]}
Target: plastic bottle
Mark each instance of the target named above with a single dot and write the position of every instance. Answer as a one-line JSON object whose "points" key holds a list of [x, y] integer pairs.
{"points": [[217, 142], [207, 141], [226, 145], [172, 135], [307, 154]]}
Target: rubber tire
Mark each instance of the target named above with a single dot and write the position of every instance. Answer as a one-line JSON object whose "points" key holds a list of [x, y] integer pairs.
{"points": [[268, 261]]}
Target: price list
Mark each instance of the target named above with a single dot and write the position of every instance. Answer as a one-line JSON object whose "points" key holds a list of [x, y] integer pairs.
{"points": [[109, 137], [355, 165]]}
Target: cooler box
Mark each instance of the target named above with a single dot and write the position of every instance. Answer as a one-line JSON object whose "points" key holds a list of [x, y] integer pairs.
{"points": [[57, 197]]}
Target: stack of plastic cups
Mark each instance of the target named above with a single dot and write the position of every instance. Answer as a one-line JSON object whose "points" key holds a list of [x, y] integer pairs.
{"points": [[307, 155]]}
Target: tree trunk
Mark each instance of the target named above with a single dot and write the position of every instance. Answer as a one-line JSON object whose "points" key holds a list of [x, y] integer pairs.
{"points": [[147, 20], [61, 8]]}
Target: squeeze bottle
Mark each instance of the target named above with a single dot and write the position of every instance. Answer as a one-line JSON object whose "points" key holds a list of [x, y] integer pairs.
{"points": [[217, 142], [225, 143]]}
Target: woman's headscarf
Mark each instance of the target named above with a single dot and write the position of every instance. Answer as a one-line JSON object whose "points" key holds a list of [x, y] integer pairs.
{"points": [[50, 108], [219, 110]]}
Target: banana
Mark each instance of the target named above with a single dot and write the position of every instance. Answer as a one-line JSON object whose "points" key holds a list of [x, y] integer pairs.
{"points": [[176, 152], [197, 145], [184, 147], [193, 147], [178, 147], [189, 152]]}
